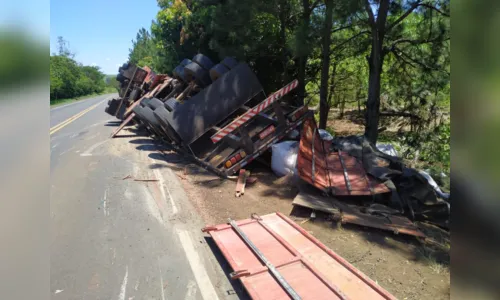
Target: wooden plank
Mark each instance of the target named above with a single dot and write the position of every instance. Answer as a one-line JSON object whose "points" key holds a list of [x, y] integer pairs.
{"points": [[313, 199]]}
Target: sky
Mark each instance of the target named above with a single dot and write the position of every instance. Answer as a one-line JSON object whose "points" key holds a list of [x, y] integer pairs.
{"points": [[100, 32]]}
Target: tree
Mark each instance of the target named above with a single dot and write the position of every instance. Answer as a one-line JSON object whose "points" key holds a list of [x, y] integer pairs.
{"points": [[143, 50], [386, 28], [63, 48]]}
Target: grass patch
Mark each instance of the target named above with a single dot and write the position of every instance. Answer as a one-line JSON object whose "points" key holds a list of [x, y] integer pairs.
{"points": [[58, 102]]}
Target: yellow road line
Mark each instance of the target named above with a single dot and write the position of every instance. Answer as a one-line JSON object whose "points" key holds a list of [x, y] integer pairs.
{"points": [[73, 118]]}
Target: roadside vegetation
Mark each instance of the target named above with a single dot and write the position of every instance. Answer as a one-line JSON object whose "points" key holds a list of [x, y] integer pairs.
{"points": [[384, 65], [70, 80]]}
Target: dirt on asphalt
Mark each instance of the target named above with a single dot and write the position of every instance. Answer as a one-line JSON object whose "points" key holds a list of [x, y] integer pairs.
{"points": [[406, 267]]}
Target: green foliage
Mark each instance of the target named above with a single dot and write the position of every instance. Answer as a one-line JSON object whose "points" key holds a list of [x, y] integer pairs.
{"points": [[69, 79], [431, 149]]}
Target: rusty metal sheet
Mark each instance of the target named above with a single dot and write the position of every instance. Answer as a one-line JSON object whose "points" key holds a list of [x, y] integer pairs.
{"points": [[329, 169], [311, 161], [308, 266]]}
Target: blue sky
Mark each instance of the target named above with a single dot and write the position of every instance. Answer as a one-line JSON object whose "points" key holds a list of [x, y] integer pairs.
{"points": [[100, 31]]}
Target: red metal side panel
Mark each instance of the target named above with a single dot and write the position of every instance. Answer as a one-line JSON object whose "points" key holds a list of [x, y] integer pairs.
{"points": [[329, 172], [311, 269], [361, 183], [305, 157]]}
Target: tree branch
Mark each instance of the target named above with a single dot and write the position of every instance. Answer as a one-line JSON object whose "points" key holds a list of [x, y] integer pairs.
{"points": [[435, 9], [416, 61], [348, 40], [371, 18], [315, 4], [406, 14], [414, 42], [342, 28]]}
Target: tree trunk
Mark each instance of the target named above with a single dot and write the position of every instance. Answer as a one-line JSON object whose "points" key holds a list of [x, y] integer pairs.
{"points": [[283, 13], [373, 103], [359, 101], [375, 62], [342, 106], [323, 89], [306, 19]]}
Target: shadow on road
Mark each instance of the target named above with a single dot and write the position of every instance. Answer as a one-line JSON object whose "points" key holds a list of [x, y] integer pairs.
{"points": [[238, 288], [113, 123]]}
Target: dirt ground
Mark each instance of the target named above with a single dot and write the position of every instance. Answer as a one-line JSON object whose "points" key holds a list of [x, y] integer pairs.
{"points": [[405, 266]]}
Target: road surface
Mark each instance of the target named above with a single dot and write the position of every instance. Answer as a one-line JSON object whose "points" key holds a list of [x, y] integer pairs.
{"points": [[121, 239]]}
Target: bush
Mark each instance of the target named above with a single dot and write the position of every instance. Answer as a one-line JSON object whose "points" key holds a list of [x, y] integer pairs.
{"points": [[69, 79]]}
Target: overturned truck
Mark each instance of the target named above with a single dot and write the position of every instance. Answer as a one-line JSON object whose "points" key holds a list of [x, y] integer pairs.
{"points": [[219, 115]]}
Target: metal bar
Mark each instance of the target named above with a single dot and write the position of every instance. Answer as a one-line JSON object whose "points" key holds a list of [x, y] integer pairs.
{"points": [[254, 111], [347, 182], [291, 292], [123, 124], [128, 87]]}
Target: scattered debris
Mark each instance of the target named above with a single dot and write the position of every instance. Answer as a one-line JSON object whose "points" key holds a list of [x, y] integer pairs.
{"points": [[146, 180], [305, 221], [252, 180], [296, 264], [242, 180], [137, 179], [375, 216]]}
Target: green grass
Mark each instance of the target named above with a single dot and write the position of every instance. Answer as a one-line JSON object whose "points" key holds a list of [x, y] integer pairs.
{"points": [[58, 102]]}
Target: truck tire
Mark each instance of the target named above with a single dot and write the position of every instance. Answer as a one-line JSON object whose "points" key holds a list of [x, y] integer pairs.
{"points": [[145, 102], [194, 72], [155, 103], [179, 73], [171, 104], [160, 114], [120, 77], [147, 112], [229, 62], [185, 62], [217, 71], [203, 61], [135, 94]]}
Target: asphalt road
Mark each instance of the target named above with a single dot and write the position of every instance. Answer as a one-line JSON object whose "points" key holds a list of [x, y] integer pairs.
{"points": [[121, 239]]}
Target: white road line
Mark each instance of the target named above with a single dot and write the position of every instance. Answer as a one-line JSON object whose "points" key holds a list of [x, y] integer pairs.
{"points": [[161, 181], [123, 288], [80, 101], [200, 274], [161, 280], [58, 291], [105, 209], [92, 148]]}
